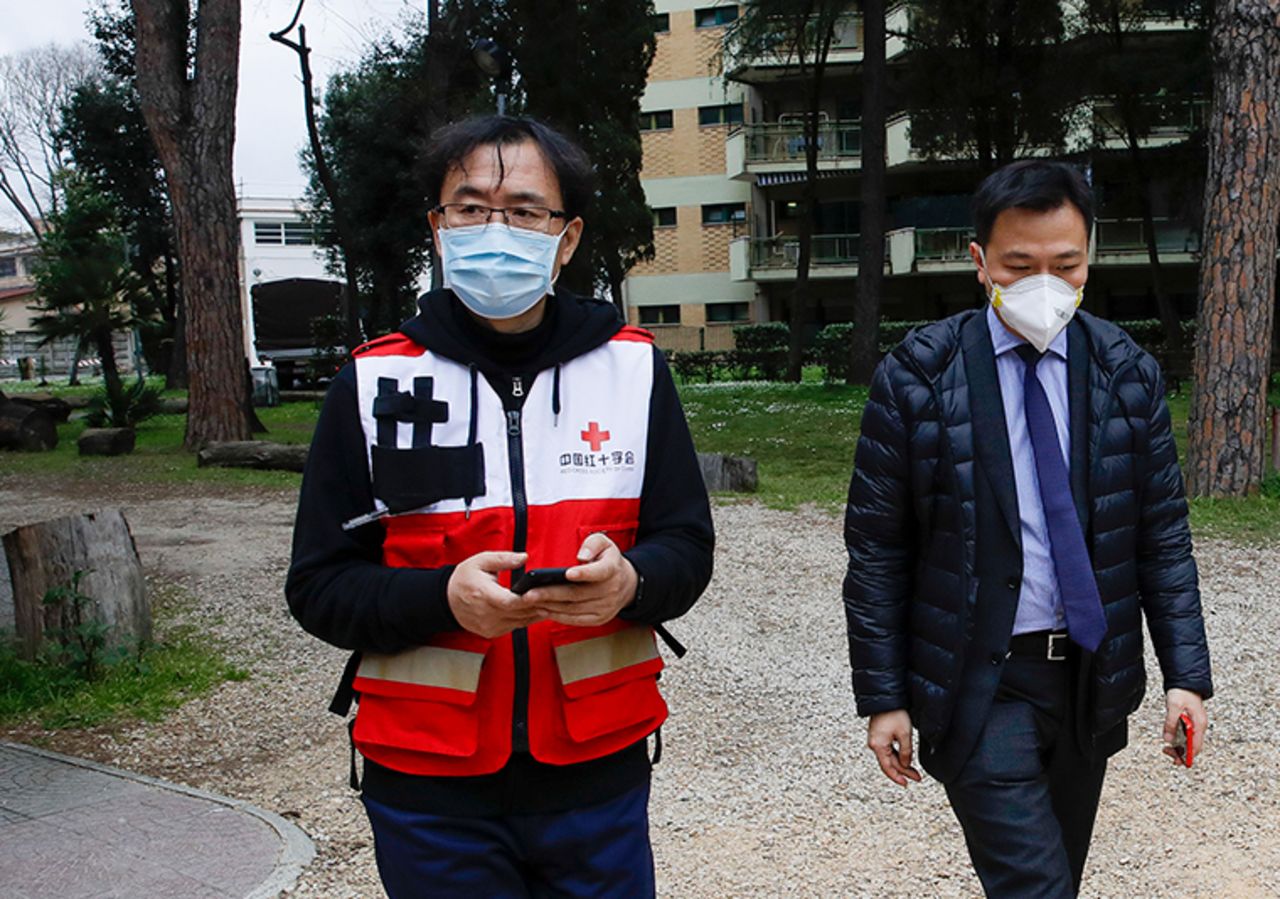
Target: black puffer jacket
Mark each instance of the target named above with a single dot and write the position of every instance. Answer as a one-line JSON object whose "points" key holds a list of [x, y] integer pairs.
{"points": [[910, 527]]}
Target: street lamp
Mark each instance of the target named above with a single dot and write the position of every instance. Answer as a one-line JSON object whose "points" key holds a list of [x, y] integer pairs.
{"points": [[494, 61]]}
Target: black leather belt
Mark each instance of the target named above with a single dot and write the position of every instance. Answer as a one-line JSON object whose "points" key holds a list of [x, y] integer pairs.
{"points": [[1050, 646]]}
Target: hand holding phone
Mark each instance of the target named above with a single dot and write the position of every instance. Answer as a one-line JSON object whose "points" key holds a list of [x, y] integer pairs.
{"points": [[539, 577], [1184, 744]]}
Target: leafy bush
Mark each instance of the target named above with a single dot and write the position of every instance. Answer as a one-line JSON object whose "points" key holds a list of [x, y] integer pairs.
{"points": [[123, 408], [761, 351], [696, 364], [328, 337], [831, 351]]}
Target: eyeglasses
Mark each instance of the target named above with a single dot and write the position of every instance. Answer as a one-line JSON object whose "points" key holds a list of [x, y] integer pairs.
{"points": [[529, 218]]}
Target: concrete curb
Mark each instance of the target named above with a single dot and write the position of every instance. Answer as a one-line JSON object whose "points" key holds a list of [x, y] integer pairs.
{"points": [[296, 848]]}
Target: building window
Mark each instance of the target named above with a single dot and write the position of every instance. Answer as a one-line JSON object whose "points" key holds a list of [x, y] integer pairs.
{"points": [[723, 313], [724, 213], [729, 114], [715, 16], [286, 234], [8, 266], [660, 315], [664, 216], [661, 23], [660, 120]]}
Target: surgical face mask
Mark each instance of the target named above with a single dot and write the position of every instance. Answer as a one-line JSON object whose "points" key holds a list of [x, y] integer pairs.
{"points": [[1038, 306], [498, 271]]}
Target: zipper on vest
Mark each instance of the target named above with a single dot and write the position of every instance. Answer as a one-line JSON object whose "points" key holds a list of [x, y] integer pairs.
{"points": [[520, 506]]}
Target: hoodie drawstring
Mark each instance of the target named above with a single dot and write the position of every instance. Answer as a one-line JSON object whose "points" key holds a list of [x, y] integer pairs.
{"points": [[555, 397], [471, 424]]}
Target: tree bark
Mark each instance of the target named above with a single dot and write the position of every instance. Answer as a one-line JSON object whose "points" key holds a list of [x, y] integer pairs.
{"points": [[47, 555], [254, 454], [192, 123], [26, 428], [864, 342], [1227, 424]]}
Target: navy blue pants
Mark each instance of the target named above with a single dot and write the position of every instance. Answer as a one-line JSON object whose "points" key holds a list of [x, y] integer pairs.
{"points": [[1027, 797], [598, 851]]}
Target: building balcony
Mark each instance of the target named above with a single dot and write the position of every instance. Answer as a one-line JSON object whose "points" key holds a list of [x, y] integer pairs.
{"points": [[776, 258], [1168, 122], [778, 64], [1123, 241], [929, 250], [774, 148]]}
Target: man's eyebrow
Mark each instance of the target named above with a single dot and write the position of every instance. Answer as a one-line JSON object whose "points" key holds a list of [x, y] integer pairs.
{"points": [[515, 197]]}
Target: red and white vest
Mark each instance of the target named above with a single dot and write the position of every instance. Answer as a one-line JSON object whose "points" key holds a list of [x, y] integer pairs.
{"points": [[446, 708]]}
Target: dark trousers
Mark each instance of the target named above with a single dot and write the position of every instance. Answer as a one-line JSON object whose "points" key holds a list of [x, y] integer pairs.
{"points": [[1027, 797], [599, 851]]}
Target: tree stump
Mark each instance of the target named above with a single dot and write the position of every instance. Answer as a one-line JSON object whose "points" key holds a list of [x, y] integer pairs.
{"points": [[46, 555], [732, 474], [106, 441], [254, 454], [59, 409], [26, 428]]}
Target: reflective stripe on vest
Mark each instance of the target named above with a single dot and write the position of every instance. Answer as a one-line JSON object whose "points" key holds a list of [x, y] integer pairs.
{"points": [[426, 666], [603, 655]]}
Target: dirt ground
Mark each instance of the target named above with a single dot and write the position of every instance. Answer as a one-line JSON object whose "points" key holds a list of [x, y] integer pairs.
{"points": [[765, 788]]}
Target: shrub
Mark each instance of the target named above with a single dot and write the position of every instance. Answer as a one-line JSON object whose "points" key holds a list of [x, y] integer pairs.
{"points": [[696, 364], [831, 351], [761, 351], [130, 406]]}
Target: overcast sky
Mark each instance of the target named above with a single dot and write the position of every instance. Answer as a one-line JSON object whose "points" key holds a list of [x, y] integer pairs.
{"points": [[269, 123]]}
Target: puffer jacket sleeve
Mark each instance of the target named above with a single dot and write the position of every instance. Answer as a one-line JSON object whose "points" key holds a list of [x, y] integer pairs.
{"points": [[1167, 577], [879, 534]]}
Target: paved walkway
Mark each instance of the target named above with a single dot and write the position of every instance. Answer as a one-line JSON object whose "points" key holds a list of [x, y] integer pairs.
{"points": [[73, 829]]}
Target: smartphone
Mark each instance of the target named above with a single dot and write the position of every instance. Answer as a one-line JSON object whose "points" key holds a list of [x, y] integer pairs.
{"points": [[1184, 740], [539, 577]]}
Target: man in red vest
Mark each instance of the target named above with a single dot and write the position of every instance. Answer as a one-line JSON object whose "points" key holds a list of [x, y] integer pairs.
{"points": [[509, 427]]}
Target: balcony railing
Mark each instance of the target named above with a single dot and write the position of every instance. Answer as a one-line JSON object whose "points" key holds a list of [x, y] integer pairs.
{"points": [[787, 142], [1129, 235], [943, 244], [784, 252], [1173, 118]]}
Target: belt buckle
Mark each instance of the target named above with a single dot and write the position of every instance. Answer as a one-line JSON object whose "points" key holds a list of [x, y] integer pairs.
{"points": [[1052, 653]]}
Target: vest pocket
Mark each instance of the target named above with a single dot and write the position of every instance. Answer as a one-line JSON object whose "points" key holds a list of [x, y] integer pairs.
{"points": [[423, 699], [622, 533], [609, 678]]}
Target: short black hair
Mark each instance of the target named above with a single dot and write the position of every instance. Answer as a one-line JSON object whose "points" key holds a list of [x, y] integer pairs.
{"points": [[1038, 184], [454, 143]]}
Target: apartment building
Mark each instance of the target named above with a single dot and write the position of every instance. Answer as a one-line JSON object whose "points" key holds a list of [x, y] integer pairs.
{"points": [[740, 206], [687, 294]]}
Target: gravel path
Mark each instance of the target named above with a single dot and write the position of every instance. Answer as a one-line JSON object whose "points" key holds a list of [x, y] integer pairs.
{"points": [[765, 788]]}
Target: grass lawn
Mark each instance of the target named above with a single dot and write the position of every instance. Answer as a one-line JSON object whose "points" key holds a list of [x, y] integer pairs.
{"points": [[802, 435]]}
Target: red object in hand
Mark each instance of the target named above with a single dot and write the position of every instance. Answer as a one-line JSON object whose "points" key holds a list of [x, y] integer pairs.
{"points": [[1184, 742]]}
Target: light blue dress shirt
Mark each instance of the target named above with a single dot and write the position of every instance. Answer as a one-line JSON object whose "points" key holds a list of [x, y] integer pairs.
{"points": [[1039, 602]]}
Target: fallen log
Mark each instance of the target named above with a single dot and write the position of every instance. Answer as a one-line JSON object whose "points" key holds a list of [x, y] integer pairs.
{"points": [[46, 556], [26, 428], [254, 454], [106, 441], [59, 409]]}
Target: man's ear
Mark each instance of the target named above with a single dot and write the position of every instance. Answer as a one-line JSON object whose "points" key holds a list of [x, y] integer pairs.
{"points": [[433, 221], [975, 252], [569, 240]]}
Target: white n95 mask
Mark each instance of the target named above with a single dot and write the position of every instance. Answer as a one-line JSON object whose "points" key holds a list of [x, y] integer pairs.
{"points": [[498, 271], [1038, 306]]}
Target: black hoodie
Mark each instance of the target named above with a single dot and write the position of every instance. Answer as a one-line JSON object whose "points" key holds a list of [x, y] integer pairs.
{"points": [[340, 591]]}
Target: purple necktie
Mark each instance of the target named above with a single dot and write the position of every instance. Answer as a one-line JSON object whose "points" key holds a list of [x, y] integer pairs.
{"points": [[1086, 621]]}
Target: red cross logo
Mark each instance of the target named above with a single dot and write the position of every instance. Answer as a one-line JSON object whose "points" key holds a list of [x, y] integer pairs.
{"points": [[594, 436]]}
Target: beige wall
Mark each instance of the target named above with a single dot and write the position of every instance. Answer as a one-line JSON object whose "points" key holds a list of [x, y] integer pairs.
{"points": [[686, 51], [690, 246]]}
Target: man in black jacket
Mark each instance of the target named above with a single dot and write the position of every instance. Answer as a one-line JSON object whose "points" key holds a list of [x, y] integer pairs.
{"points": [[1016, 508], [508, 426]]}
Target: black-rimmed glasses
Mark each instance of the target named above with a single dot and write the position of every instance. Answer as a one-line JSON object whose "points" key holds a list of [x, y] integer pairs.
{"points": [[529, 218]]}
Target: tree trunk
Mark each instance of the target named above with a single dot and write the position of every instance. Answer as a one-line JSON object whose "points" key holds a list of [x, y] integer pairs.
{"points": [[26, 428], [254, 454], [1227, 424], [192, 123], [864, 342], [47, 555], [110, 371]]}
